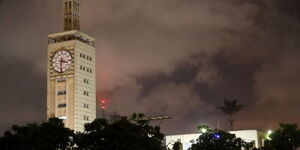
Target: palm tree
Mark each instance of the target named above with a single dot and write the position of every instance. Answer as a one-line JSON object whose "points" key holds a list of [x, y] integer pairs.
{"points": [[230, 108]]}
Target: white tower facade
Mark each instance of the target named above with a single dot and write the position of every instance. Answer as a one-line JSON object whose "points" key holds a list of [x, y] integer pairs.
{"points": [[71, 84]]}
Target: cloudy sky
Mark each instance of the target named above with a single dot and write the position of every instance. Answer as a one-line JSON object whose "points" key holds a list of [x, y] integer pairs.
{"points": [[163, 57]]}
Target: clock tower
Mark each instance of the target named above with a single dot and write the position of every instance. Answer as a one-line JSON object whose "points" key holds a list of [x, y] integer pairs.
{"points": [[71, 74]]}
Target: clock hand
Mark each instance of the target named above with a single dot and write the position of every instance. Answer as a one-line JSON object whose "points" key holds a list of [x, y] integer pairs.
{"points": [[61, 61]]}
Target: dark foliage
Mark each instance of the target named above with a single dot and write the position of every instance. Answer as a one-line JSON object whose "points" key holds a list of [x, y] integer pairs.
{"points": [[287, 137], [47, 136], [120, 135], [220, 140], [177, 146]]}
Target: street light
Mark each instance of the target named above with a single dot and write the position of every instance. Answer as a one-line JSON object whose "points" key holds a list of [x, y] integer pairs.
{"points": [[203, 130], [269, 132]]}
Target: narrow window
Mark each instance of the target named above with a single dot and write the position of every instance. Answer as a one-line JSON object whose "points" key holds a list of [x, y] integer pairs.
{"points": [[61, 93], [61, 105]]}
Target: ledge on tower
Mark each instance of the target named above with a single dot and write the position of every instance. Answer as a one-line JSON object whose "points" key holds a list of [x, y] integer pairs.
{"points": [[71, 35]]}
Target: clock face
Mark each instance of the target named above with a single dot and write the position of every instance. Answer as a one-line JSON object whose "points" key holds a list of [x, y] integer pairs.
{"points": [[61, 61]]}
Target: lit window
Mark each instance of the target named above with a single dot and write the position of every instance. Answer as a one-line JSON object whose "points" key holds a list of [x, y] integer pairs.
{"points": [[63, 117]]}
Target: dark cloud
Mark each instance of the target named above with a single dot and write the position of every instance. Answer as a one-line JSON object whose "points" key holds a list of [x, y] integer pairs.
{"points": [[171, 57], [22, 92]]}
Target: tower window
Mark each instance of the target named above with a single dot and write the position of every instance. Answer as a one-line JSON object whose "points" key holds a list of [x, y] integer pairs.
{"points": [[61, 105], [86, 118], [86, 81], [61, 92], [86, 93], [86, 105]]}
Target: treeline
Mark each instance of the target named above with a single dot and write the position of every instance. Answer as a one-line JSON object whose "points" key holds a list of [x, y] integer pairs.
{"points": [[121, 134], [135, 133]]}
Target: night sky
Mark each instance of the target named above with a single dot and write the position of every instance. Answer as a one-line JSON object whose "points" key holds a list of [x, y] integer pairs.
{"points": [[163, 57]]}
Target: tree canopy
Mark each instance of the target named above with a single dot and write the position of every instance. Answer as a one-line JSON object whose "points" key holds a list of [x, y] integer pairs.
{"points": [[120, 135], [287, 137], [219, 140], [47, 136]]}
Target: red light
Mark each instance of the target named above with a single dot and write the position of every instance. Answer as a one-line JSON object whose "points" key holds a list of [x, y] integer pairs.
{"points": [[102, 103]]}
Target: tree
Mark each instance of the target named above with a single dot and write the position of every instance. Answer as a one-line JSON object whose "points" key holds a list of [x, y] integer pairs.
{"points": [[230, 108], [120, 135], [287, 137], [177, 146], [220, 140], [47, 136]]}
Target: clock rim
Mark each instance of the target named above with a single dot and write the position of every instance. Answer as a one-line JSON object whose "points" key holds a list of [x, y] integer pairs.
{"points": [[68, 66]]}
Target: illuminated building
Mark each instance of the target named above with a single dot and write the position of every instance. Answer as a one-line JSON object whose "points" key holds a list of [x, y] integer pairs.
{"points": [[258, 137], [71, 84]]}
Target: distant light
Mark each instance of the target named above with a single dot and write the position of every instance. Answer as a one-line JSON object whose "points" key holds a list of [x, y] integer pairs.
{"points": [[102, 103], [203, 130], [62, 117], [269, 132], [217, 136]]}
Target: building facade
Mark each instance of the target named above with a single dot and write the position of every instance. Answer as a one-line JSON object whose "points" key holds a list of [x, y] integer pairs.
{"points": [[71, 83]]}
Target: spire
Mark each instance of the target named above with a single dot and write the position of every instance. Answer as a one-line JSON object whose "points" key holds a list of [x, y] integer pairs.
{"points": [[71, 15]]}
